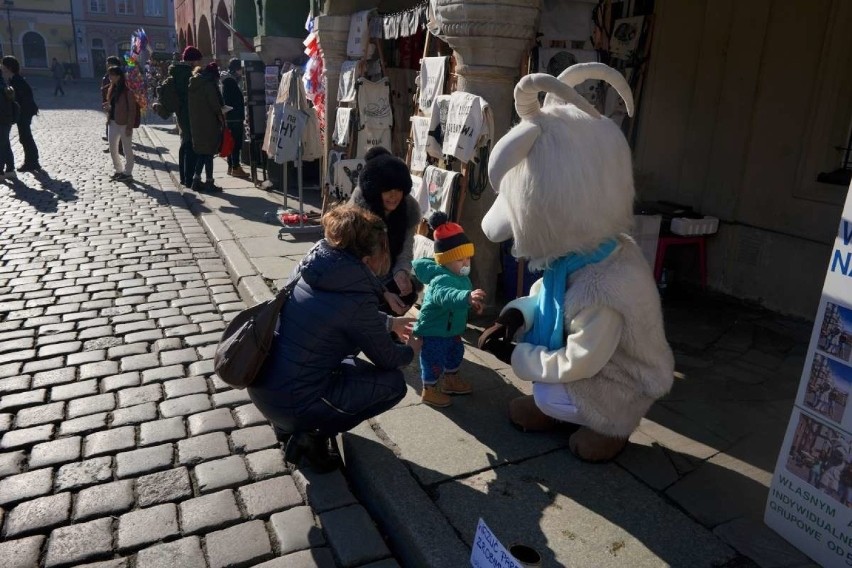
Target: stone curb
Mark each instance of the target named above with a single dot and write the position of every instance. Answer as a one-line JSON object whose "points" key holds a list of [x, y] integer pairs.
{"points": [[250, 285], [381, 483]]}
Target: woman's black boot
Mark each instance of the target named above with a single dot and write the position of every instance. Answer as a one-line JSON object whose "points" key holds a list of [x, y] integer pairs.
{"points": [[311, 449]]}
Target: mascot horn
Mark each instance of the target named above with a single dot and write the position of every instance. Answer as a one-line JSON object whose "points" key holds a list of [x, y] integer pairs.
{"points": [[590, 334]]}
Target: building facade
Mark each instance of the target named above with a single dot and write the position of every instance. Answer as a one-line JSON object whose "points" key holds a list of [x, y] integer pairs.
{"points": [[271, 28], [103, 28], [36, 31]]}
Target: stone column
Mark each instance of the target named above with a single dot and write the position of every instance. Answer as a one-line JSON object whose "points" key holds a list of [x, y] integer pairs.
{"points": [[489, 38], [332, 33]]}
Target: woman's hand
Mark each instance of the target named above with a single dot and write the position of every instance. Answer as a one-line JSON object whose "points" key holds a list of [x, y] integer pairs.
{"points": [[476, 299], [402, 327], [396, 305], [403, 282]]}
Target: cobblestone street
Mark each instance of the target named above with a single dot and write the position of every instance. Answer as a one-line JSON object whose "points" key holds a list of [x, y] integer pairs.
{"points": [[118, 445]]}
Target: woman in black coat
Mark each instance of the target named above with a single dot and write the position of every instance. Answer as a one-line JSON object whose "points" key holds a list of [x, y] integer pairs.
{"points": [[384, 188], [311, 387]]}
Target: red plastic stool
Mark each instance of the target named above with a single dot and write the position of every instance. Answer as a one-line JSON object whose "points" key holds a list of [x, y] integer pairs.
{"points": [[666, 241]]}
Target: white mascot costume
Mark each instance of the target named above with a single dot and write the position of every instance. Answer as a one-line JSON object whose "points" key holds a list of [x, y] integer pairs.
{"points": [[590, 334]]}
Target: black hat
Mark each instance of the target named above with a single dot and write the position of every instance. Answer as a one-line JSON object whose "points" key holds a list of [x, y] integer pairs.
{"points": [[234, 65], [383, 172]]}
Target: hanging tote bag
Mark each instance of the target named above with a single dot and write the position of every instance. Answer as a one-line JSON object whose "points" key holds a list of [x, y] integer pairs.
{"points": [[226, 148], [246, 342]]}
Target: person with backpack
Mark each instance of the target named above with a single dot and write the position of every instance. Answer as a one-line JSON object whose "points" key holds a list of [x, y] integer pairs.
{"points": [[29, 109], [206, 122], [233, 97], [9, 110], [311, 386], [173, 98]]}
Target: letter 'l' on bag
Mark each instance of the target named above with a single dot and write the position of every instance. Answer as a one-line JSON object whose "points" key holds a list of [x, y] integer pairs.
{"points": [[246, 341]]}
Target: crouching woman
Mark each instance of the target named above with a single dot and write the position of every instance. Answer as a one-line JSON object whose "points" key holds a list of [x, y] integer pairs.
{"points": [[311, 387]]}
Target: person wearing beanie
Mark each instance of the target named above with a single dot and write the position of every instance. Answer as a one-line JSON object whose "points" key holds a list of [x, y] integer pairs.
{"points": [[384, 188], [232, 94], [206, 122], [175, 90], [443, 314]]}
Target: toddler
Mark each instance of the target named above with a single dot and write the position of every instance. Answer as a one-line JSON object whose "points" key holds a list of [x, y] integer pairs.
{"points": [[443, 315]]}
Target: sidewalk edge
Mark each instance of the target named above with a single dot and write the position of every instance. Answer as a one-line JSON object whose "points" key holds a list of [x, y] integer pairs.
{"points": [[250, 285]]}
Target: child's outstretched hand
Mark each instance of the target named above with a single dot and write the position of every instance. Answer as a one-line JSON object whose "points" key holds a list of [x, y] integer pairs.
{"points": [[476, 299]]}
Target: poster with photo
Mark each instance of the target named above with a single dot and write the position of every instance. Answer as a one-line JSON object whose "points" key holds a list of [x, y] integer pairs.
{"points": [[626, 33], [810, 499]]}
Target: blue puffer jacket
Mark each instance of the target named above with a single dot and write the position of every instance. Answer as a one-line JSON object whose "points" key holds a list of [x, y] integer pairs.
{"points": [[332, 314]]}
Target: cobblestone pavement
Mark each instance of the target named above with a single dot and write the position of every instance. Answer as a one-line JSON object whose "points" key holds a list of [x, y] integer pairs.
{"points": [[118, 446]]}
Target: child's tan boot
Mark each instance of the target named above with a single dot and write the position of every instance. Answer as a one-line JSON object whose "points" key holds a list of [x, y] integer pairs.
{"points": [[433, 396], [454, 384]]}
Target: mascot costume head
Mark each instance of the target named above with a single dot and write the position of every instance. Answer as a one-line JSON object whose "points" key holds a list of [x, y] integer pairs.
{"points": [[591, 333]]}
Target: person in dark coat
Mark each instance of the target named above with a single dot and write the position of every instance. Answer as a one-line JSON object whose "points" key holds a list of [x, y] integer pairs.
{"points": [[58, 72], [7, 119], [384, 188], [181, 73], [206, 122], [311, 387], [233, 97], [29, 109]]}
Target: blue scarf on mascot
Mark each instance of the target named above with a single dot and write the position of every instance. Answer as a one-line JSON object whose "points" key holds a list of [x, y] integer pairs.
{"points": [[549, 323]]}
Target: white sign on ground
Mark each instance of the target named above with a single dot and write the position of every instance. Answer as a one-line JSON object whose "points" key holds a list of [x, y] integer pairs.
{"points": [[810, 500], [488, 552]]}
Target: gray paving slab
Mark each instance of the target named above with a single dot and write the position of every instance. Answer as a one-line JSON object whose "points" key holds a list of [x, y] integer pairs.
{"points": [[104, 499], [21, 553], [268, 496], [295, 529], [220, 474], [79, 542], [145, 526], [241, 544], [209, 512], [185, 553]]}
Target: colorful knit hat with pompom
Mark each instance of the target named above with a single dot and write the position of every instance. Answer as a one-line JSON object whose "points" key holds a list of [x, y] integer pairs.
{"points": [[450, 241]]}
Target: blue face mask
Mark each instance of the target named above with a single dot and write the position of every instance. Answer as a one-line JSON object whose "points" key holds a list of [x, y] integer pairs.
{"points": [[464, 271]]}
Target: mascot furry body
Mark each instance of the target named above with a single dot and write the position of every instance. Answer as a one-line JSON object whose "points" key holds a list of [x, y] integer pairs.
{"points": [[565, 192]]}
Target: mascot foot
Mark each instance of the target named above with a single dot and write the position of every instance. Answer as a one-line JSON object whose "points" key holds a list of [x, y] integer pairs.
{"points": [[593, 447], [526, 416]]}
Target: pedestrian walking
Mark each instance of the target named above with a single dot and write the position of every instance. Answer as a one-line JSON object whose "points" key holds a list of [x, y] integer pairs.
{"points": [[28, 109], [311, 387], [206, 122], [8, 111], [173, 98], [121, 109], [58, 72], [112, 61], [443, 316], [234, 118]]}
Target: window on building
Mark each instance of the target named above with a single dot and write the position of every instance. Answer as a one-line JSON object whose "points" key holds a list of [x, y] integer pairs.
{"points": [[97, 43], [35, 50], [123, 47], [153, 7], [97, 6], [125, 7]]}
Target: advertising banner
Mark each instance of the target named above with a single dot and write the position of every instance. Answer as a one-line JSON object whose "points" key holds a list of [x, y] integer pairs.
{"points": [[810, 500]]}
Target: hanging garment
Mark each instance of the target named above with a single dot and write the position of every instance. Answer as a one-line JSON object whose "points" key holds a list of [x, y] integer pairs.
{"points": [[469, 126], [432, 76], [440, 186], [342, 126], [438, 126], [419, 137], [418, 191], [369, 137], [346, 176], [273, 125], [374, 109], [346, 86], [289, 135], [333, 157], [359, 34], [311, 138]]}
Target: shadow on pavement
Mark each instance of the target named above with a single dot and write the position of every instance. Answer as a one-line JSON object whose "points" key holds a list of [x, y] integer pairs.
{"points": [[43, 198]]}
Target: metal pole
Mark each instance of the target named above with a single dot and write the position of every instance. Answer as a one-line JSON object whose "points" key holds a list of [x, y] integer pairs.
{"points": [[9, 5]]}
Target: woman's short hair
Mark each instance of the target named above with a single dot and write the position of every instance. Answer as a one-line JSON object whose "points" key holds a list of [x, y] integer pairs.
{"points": [[113, 60], [11, 63], [355, 230]]}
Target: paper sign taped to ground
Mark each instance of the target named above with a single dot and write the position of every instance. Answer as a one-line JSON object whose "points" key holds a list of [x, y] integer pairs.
{"points": [[810, 499], [488, 552]]}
